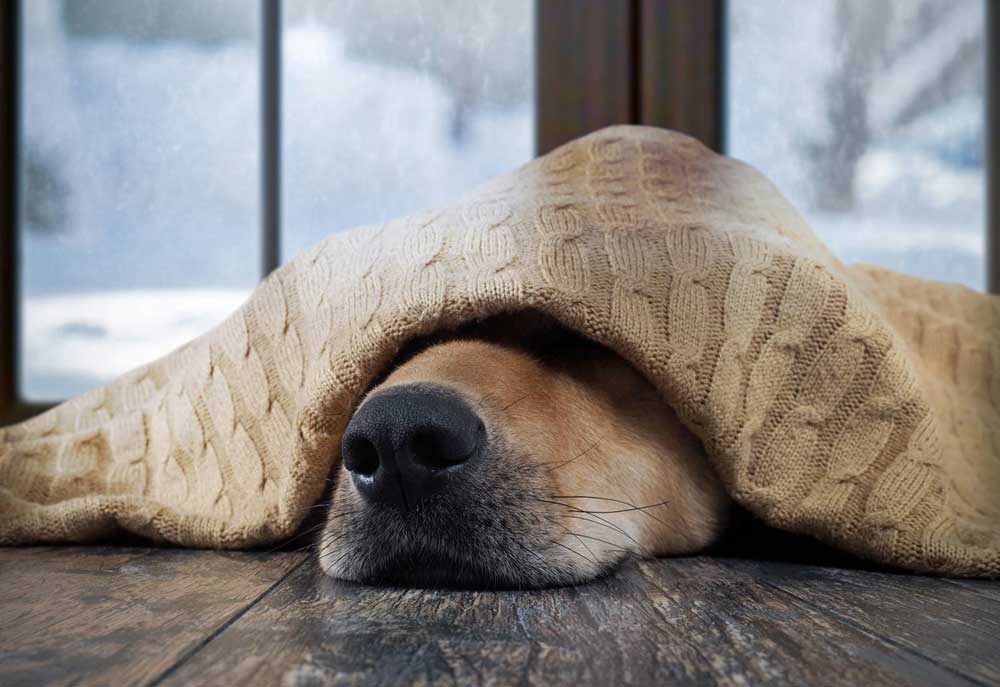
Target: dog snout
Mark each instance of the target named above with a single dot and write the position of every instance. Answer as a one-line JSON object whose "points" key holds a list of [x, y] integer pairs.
{"points": [[409, 442]]}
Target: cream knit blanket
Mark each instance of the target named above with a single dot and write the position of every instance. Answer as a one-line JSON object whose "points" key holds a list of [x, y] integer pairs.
{"points": [[855, 404]]}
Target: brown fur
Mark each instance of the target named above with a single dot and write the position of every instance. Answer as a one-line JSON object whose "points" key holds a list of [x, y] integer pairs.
{"points": [[614, 471]]}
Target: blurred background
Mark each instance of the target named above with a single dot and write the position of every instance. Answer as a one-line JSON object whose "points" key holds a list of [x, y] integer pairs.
{"points": [[869, 115], [140, 161]]}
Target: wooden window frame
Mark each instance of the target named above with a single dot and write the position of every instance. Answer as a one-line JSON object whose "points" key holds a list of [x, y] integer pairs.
{"points": [[993, 146], [11, 408], [598, 62], [655, 62]]}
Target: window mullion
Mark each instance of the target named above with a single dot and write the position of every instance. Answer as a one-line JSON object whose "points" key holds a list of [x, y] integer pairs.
{"points": [[585, 68], [9, 114], [993, 147], [681, 67], [270, 134]]}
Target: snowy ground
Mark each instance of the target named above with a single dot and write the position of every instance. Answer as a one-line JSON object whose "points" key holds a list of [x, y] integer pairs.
{"points": [[157, 145], [75, 342]]}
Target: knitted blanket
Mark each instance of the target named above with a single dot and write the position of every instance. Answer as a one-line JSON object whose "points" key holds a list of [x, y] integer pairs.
{"points": [[855, 404]]}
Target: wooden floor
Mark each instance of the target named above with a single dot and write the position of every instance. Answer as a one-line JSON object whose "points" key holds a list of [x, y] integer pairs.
{"points": [[113, 616]]}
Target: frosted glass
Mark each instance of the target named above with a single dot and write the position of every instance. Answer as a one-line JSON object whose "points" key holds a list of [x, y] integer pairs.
{"points": [[139, 182], [869, 115], [395, 105]]}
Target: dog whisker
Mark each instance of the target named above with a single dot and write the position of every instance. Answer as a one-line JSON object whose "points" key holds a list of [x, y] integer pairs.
{"points": [[327, 546], [583, 543], [514, 403], [553, 423], [614, 546], [609, 525], [309, 530], [324, 504], [567, 462], [597, 520], [573, 551], [534, 553], [595, 498], [631, 506], [628, 553], [347, 552], [343, 513], [297, 549]]}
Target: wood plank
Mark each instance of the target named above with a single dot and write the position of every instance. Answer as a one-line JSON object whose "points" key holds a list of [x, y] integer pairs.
{"points": [[119, 616], [953, 625], [988, 588], [667, 622]]}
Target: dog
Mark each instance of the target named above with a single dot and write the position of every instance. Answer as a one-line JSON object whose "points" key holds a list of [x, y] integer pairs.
{"points": [[514, 454]]}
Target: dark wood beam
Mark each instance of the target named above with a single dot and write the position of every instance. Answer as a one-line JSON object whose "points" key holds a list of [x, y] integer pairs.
{"points": [[585, 63], [993, 145], [9, 40], [681, 69], [270, 135]]}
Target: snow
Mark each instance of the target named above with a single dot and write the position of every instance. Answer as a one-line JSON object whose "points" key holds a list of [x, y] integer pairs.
{"points": [[378, 145], [77, 341]]}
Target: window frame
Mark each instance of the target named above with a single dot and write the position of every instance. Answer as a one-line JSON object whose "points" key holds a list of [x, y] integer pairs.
{"points": [[992, 251], [654, 62], [11, 407]]}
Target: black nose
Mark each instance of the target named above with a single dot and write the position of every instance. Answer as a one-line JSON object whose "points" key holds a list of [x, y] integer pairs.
{"points": [[407, 442]]}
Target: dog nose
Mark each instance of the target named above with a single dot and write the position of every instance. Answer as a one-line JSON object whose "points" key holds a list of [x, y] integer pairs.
{"points": [[406, 443]]}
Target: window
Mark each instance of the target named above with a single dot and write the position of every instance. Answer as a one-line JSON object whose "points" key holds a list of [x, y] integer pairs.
{"points": [[140, 171], [870, 116], [390, 106], [138, 186], [167, 153]]}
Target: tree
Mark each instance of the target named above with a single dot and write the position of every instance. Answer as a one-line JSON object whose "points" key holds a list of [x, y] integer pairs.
{"points": [[479, 51], [897, 60]]}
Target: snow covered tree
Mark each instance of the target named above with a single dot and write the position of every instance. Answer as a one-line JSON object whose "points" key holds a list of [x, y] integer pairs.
{"points": [[897, 60]]}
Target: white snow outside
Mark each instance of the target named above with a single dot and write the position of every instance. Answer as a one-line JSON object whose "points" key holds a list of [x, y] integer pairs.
{"points": [[94, 336]]}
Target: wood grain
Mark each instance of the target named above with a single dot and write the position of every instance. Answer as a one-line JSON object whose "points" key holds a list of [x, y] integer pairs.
{"points": [[946, 622], [988, 588], [80, 615], [693, 621], [9, 73], [681, 68], [141, 616], [585, 76]]}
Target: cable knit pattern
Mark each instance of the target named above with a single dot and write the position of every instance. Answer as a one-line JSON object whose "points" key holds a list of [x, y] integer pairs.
{"points": [[851, 403]]}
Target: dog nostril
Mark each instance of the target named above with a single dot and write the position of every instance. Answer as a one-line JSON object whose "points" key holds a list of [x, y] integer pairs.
{"points": [[360, 456], [442, 447]]}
